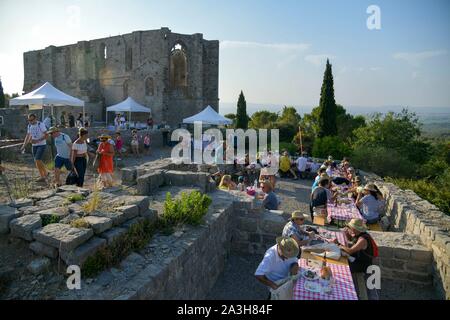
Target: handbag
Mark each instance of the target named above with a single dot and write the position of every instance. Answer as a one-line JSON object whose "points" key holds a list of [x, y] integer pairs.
{"points": [[72, 178]]}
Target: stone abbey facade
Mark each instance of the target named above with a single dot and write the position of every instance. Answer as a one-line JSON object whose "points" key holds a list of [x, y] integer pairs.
{"points": [[175, 75]]}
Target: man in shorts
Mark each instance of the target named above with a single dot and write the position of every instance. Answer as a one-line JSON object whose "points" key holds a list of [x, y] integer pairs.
{"points": [[37, 136], [63, 145]]}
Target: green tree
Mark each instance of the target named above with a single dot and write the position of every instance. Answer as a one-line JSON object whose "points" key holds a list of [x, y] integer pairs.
{"points": [[288, 123], [395, 131], [231, 116], [327, 116], [323, 147], [241, 115], [263, 120], [2, 96]]}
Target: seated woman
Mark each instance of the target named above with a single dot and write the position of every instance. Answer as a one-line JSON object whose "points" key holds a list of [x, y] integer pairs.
{"points": [[294, 229], [362, 247], [369, 203], [285, 165], [270, 201], [355, 188], [226, 183]]}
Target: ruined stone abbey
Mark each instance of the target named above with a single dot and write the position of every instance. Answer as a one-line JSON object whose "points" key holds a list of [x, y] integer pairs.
{"points": [[175, 75]]}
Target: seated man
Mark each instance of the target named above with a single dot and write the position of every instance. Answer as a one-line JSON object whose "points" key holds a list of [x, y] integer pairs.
{"points": [[269, 199], [295, 229], [279, 262], [320, 198], [285, 165]]}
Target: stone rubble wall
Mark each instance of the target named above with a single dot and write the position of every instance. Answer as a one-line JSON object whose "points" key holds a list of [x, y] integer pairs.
{"points": [[184, 265], [73, 245], [411, 214]]}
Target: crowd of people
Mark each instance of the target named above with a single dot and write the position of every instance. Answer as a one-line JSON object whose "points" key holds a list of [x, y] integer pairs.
{"points": [[74, 154]]}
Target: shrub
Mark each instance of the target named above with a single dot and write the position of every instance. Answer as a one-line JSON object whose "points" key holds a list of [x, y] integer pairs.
{"points": [[323, 147], [189, 209], [290, 147], [383, 161], [75, 197], [434, 191]]}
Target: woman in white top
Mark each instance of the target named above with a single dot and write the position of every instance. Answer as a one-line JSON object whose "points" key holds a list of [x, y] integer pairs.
{"points": [[80, 155]]}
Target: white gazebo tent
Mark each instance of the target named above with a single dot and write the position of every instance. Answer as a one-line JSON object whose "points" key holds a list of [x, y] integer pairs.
{"points": [[128, 105], [208, 116], [47, 95]]}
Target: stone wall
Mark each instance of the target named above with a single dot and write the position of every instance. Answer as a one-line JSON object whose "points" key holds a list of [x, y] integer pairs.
{"points": [[105, 71], [72, 244], [403, 257], [411, 214]]}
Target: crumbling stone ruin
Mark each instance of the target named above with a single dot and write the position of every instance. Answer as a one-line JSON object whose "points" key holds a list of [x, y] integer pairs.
{"points": [[175, 74]]}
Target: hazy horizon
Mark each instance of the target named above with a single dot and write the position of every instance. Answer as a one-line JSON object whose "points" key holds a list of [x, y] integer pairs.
{"points": [[273, 51]]}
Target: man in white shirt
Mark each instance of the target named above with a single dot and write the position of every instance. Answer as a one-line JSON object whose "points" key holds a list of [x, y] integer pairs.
{"points": [[37, 136], [278, 263], [301, 165]]}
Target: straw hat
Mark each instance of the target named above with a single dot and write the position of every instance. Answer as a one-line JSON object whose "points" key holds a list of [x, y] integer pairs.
{"points": [[298, 214], [357, 224], [288, 247], [370, 187], [104, 136], [52, 129]]}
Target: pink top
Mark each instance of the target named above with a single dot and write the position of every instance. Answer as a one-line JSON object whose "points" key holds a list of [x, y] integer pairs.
{"points": [[147, 140]]}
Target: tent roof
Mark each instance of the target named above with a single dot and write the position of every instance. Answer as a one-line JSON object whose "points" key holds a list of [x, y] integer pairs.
{"points": [[208, 116], [47, 95], [128, 105]]}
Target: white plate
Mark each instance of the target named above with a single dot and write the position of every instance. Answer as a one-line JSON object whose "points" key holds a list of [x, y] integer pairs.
{"points": [[304, 271], [312, 286]]}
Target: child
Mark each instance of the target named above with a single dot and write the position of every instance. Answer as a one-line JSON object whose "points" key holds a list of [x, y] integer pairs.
{"points": [[119, 145], [147, 144]]}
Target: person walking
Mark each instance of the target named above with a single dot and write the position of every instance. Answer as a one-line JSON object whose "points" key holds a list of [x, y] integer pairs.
{"points": [[63, 145], [37, 136], [106, 165], [71, 120], [80, 156]]}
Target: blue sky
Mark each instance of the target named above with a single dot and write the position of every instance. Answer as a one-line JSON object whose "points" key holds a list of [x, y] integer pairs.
{"points": [[273, 50]]}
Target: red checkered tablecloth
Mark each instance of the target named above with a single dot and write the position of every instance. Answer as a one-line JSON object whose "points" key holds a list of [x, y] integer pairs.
{"points": [[343, 289], [343, 212], [339, 235]]}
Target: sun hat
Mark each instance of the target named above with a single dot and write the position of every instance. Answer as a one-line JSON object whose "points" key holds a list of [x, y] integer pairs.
{"points": [[370, 187], [53, 129], [104, 136], [357, 224], [298, 214], [288, 247]]}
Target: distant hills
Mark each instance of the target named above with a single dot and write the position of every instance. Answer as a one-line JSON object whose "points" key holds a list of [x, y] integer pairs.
{"points": [[434, 119]]}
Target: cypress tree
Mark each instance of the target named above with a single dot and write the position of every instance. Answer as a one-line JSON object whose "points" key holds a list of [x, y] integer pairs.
{"points": [[327, 116], [241, 115], [2, 96]]}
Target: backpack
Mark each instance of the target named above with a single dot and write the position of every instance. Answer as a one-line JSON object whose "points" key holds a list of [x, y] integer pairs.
{"points": [[373, 244]]}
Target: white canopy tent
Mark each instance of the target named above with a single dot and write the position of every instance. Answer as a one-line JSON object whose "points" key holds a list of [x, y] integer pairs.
{"points": [[208, 116], [47, 95], [128, 105]]}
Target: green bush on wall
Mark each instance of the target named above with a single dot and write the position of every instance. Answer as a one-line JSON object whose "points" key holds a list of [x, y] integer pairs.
{"points": [[189, 209]]}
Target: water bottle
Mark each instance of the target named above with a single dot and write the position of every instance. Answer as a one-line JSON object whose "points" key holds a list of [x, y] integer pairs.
{"points": [[255, 184]]}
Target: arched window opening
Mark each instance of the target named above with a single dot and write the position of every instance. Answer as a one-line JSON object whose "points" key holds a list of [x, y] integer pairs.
{"points": [[128, 59], [103, 51], [1, 120], [149, 87], [178, 66]]}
